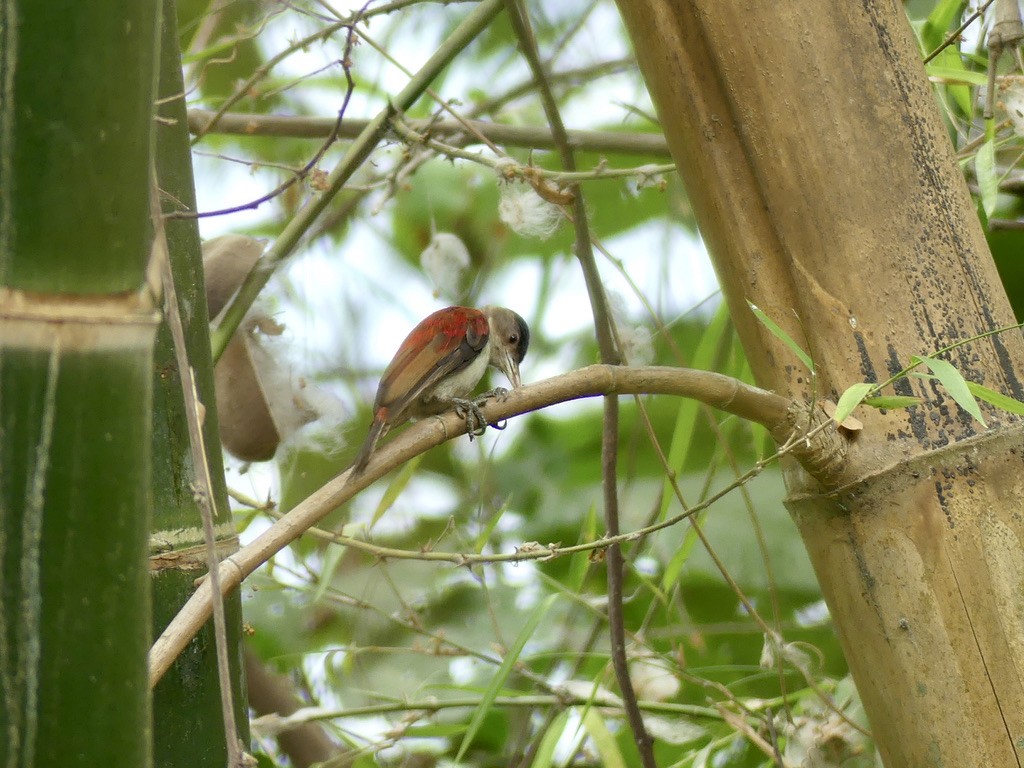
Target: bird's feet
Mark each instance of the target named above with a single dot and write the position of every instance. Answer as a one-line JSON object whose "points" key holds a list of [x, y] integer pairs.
{"points": [[498, 393], [469, 411]]}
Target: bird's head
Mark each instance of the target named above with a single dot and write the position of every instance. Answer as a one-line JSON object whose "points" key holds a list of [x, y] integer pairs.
{"points": [[510, 338]]}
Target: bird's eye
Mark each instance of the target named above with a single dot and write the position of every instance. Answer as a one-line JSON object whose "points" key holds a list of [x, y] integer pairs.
{"points": [[513, 339]]}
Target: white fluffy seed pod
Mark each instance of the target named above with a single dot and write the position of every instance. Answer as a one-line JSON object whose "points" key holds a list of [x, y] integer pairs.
{"points": [[444, 261], [258, 402], [526, 213]]}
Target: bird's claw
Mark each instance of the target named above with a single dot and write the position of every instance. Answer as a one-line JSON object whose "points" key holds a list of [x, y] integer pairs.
{"points": [[469, 411], [498, 393]]}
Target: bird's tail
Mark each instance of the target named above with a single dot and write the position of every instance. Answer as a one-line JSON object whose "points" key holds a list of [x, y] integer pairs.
{"points": [[377, 430]]}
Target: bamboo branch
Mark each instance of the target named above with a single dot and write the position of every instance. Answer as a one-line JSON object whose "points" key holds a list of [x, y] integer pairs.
{"points": [[722, 392], [528, 136], [275, 724]]}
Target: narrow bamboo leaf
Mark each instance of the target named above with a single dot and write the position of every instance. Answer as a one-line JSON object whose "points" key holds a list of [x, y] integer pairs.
{"points": [[682, 554], [331, 561], [954, 73], [850, 399], [580, 565], [395, 489], [435, 730], [544, 756], [892, 401], [675, 565], [596, 695], [557, 586], [954, 383], [938, 23], [503, 672], [703, 757], [998, 399], [988, 177], [487, 530], [948, 68], [782, 336], [607, 747], [657, 592]]}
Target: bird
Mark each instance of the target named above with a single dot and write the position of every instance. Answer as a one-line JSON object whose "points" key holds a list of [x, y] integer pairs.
{"points": [[440, 363]]}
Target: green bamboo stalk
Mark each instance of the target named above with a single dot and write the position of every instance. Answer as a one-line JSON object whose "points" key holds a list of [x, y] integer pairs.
{"points": [[76, 338], [188, 727]]}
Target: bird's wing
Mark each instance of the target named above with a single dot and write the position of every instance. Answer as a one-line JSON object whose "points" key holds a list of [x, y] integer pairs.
{"points": [[443, 343]]}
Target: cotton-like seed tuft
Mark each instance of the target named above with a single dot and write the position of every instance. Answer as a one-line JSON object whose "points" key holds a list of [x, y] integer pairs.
{"points": [[444, 260], [526, 213]]}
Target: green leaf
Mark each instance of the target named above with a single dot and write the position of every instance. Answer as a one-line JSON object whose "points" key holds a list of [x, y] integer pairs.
{"points": [[546, 751], [998, 399], [394, 490], [949, 67], [503, 672], [892, 401], [331, 562], [681, 555], [955, 73], [988, 178], [607, 747], [954, 383], [850, 399], [579, 565], [435, 730], [703, 757], [782, 336], [487, 530], [939, 21]]}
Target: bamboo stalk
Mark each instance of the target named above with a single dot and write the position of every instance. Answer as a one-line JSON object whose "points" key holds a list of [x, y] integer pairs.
{"points": [[77, 324]]}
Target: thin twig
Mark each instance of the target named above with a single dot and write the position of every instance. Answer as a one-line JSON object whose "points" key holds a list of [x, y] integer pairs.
{"points": [[286, 243], [955, 34], [532, 701], [513, 170], [583, 76], [610, 354], [533, 551], [309, 167], [245, 87], [202, 485], [529, 136]]}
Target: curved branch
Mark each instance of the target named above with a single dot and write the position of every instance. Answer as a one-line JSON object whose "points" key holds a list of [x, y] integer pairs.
{"points": [[530, 136], [772, 411]]}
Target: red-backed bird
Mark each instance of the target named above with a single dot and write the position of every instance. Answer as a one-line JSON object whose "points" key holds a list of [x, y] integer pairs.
{"points": [[441, 362]]}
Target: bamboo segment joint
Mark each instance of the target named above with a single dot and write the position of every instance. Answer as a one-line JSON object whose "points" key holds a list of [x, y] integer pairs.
{"points": [[76, 323]]}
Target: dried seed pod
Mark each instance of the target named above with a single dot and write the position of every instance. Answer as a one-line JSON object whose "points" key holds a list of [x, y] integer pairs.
{"points": [[257, 402], [226, 262]]}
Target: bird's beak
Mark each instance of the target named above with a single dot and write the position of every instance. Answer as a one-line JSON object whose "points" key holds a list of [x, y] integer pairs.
{"points": [[509, 366]]}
